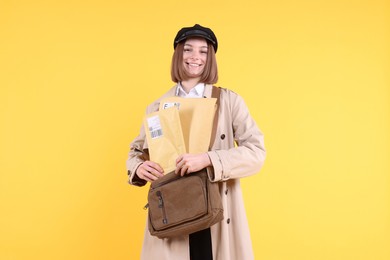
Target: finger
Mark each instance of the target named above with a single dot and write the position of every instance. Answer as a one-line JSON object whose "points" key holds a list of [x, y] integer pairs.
{"points": [[156, 166], [183, 170], [153, 174], [149, 175], [147, 179], [156, 172], [178, 160], [179, 166], [143, 176], [153, 171]]}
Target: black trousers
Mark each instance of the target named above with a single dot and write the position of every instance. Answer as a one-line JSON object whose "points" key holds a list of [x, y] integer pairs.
{"points": [[200, 245]]}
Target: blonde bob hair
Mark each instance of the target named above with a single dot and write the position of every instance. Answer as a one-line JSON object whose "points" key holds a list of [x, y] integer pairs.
{"points": [[210, 72]]}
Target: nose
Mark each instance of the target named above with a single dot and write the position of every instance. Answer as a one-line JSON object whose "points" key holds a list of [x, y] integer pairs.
{"points": [[195, 55]]}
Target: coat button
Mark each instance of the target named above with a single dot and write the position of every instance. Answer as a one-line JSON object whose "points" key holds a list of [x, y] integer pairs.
{"points": [[228, 221], [223, 136]]}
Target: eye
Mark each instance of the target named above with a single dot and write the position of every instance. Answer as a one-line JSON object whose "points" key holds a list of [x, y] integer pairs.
{"points": [[187, 49]]}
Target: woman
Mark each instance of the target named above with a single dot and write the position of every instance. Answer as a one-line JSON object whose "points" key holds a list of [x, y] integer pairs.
{"points": [[194, 69]]}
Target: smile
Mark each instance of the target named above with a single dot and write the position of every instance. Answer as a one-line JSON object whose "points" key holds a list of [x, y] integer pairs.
{"points": [[193, 64]]}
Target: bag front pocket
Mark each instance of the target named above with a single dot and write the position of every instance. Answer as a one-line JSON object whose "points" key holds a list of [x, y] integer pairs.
{"points": [[177, 202]]}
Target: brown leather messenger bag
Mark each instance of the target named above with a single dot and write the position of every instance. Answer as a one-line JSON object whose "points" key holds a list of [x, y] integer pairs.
{"points": [[179, 205]]}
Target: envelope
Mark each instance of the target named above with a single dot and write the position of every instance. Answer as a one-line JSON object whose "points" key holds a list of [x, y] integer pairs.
{"points": [[196, 117], [165, 137]]}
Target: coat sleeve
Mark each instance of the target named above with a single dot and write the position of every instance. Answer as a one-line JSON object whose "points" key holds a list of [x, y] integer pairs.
{"points": [[247, 157], [137, 156], [138, 153]]}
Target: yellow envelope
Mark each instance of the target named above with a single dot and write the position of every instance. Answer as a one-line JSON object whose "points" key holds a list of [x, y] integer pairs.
{"points": [[196, 117], [165, 138]]}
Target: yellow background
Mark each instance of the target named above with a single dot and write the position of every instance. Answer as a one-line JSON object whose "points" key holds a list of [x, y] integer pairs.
{"points": [[76, 76]]}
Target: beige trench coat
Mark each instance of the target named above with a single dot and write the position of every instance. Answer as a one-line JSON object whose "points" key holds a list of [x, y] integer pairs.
{"points": [[230, 238]]}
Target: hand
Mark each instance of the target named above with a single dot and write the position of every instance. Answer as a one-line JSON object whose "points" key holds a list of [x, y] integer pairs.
{"points": [[188, 163], [149, 171]]}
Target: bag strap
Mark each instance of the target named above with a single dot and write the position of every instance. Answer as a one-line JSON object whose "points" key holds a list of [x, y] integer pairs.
{"points": [[216, 93]]}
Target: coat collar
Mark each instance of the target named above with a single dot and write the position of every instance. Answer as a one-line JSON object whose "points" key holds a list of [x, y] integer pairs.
{"points": [[172, 92]]}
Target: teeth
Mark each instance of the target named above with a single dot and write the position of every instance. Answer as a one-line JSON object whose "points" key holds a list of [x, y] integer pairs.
{"points": [[193, 64]]}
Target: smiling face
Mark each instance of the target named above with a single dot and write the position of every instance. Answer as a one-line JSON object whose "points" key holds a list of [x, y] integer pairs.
{"points": [[204, 63], [194, 57]]}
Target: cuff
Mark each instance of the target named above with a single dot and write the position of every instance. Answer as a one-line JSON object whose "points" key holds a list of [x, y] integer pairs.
{"points": [[133, 177], [216, 172]]}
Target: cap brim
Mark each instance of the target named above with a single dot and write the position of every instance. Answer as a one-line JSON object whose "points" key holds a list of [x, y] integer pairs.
{"points": [[196, 33]]}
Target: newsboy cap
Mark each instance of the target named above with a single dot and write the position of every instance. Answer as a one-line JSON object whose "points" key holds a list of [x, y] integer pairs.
{"points": [[196, 31]]}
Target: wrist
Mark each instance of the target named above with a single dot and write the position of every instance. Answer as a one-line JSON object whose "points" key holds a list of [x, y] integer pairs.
{"points": [[136, 170], [207, 160]]}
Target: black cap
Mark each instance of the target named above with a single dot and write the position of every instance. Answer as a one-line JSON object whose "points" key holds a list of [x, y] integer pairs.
{"points": [[196, 30]]}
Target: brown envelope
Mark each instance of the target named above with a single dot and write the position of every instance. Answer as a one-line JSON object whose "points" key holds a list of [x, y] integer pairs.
{"points": [[196, 117], [164, 136]]}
